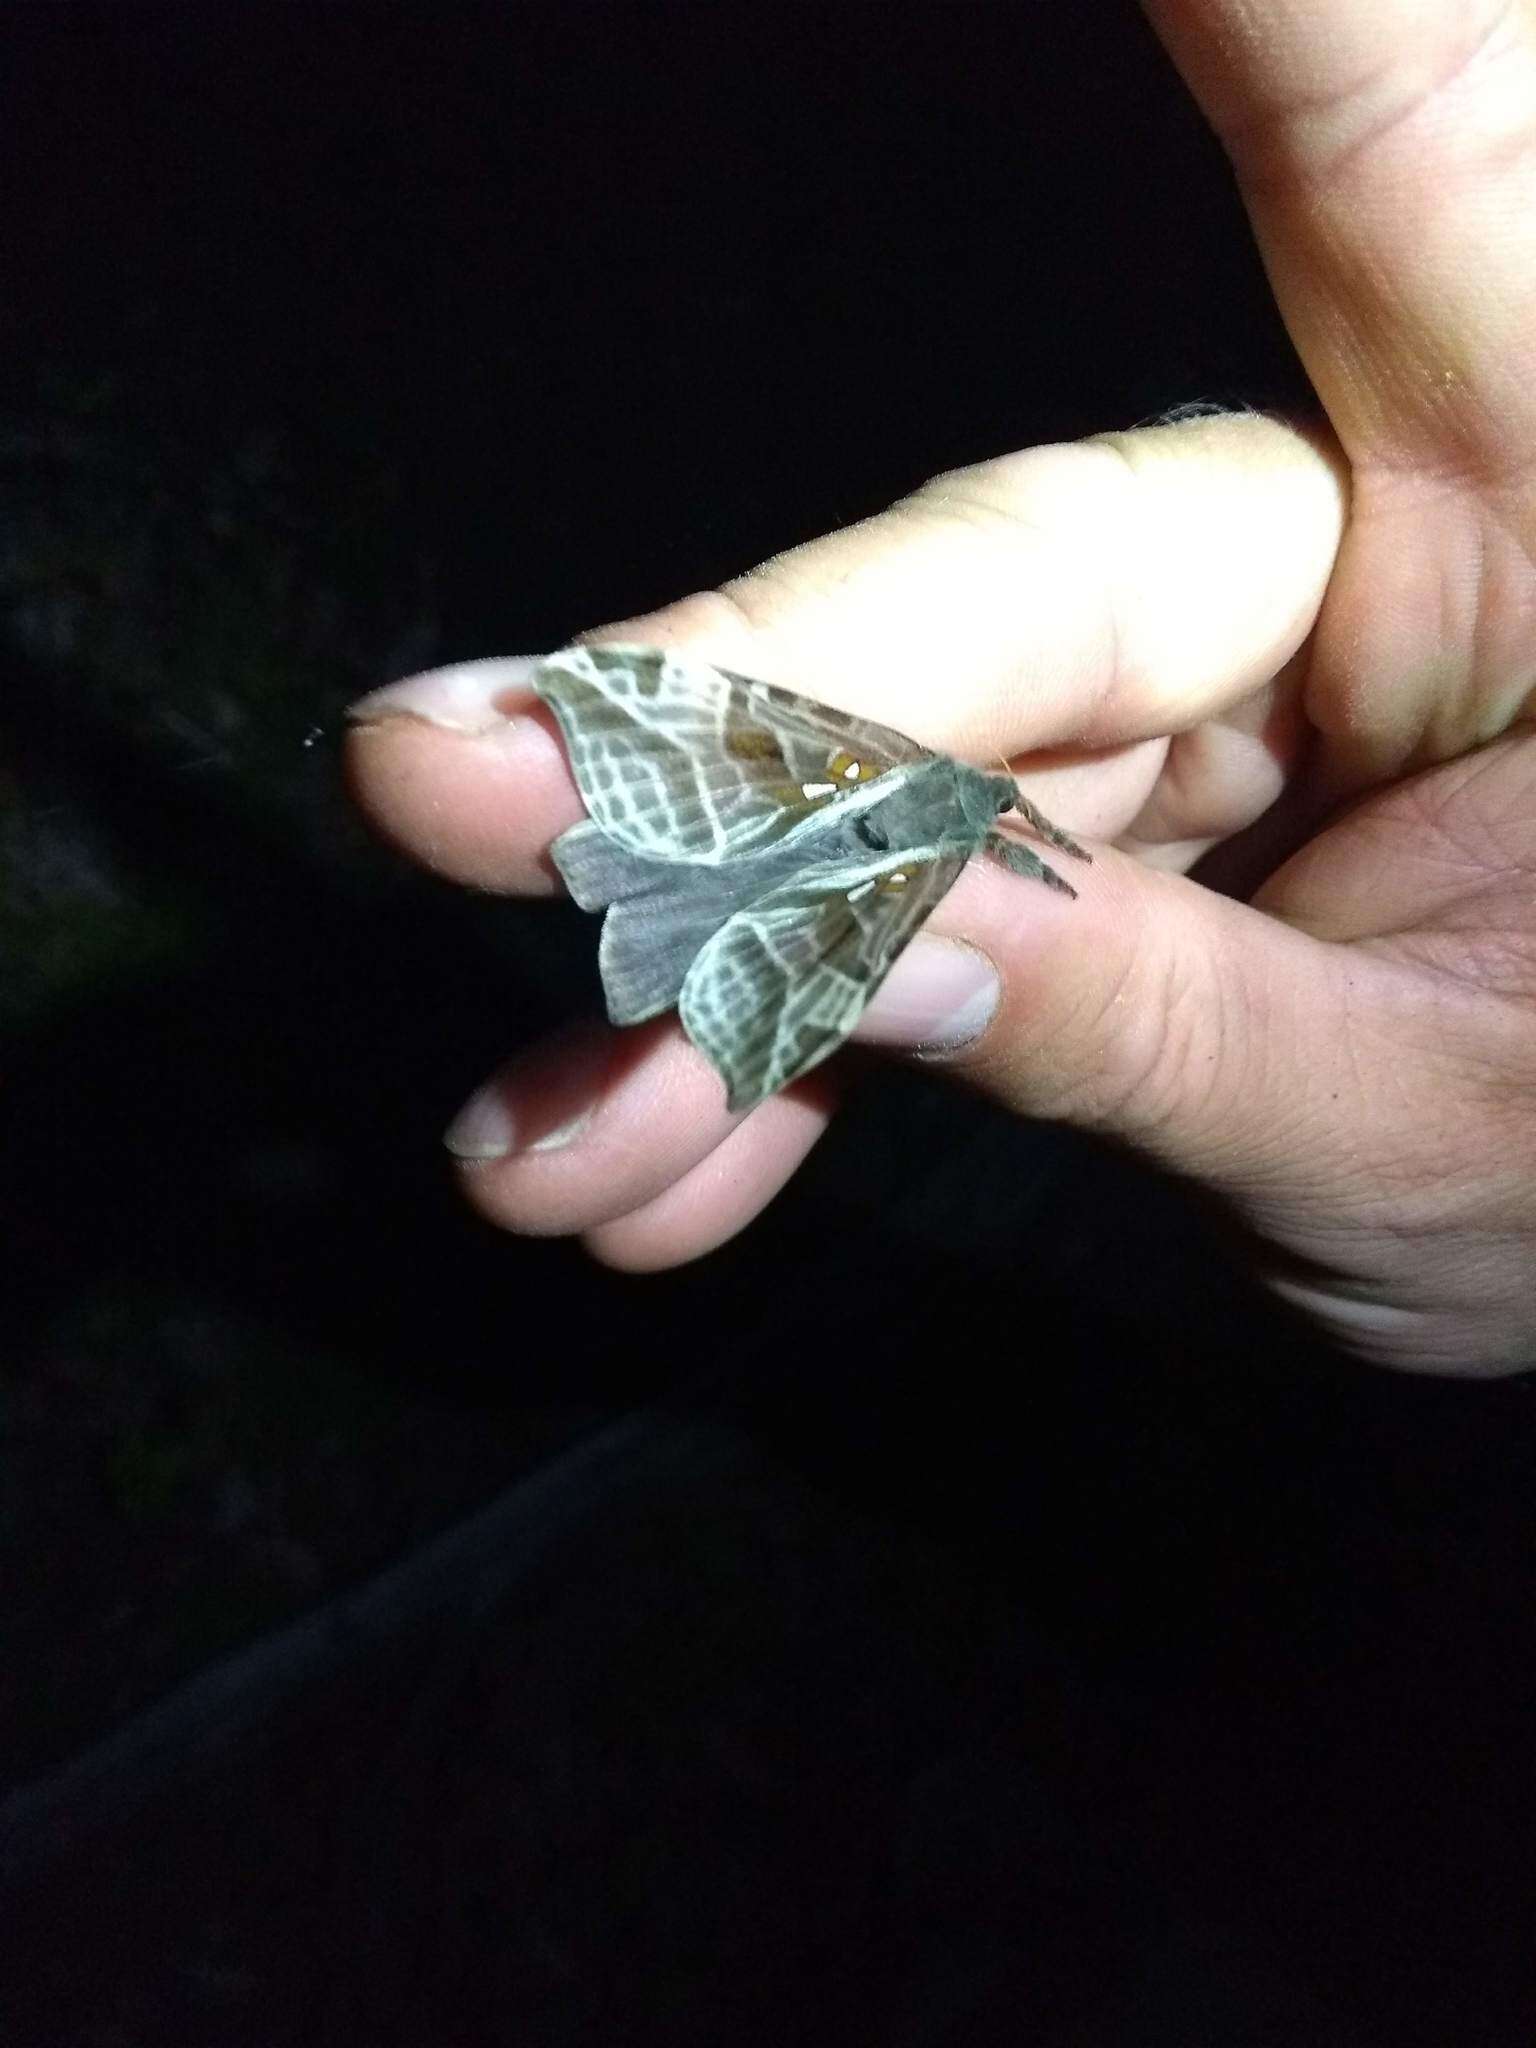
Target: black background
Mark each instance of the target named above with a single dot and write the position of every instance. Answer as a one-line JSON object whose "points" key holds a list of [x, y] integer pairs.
{"points": [[960, 1611]]}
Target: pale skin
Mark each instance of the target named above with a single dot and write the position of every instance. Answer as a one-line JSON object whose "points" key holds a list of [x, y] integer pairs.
{"points": [[1164, 630]]}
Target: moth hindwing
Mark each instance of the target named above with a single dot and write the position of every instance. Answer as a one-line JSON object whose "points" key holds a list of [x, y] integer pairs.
{"points": [[762, 859]]}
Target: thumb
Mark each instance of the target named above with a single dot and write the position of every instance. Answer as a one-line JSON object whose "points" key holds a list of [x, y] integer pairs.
{"points": [[1150, 1009]]}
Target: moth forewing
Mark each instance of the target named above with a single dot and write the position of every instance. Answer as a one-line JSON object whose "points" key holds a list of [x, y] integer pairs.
{"points": [[681, 761], [781, 984]]}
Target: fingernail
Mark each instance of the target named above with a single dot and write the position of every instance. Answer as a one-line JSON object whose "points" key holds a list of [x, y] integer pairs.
{"points": [[542, 1104], [483, 1128], [466, 697], [938, 996]]}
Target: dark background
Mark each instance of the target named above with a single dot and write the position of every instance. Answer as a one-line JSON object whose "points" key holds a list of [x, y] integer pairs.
{"points": [[961, 1611]]}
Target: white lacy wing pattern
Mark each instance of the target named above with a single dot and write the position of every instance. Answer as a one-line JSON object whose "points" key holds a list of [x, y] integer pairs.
{"points": [[781, 984], [680, 761]]}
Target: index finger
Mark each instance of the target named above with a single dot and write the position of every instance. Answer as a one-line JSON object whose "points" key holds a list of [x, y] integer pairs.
{"points": [[1092, 595]]}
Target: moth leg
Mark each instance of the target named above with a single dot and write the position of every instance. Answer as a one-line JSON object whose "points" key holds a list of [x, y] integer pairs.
{"points": [[1023, 860], [1053, 835]]}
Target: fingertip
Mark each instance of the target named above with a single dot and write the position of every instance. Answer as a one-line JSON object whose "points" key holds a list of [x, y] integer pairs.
{"points": [[724, 1193], [596, 1128], [463, 697], [481, 808]]}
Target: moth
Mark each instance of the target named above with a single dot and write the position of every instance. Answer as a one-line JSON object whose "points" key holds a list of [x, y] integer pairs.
{"points": [[761, 859]]}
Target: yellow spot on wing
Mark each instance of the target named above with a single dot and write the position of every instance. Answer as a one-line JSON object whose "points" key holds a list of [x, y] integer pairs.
{"points": [[751, 743]]}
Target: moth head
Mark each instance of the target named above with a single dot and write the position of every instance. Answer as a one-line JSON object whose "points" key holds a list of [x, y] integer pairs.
{"points": [[985, 797]]}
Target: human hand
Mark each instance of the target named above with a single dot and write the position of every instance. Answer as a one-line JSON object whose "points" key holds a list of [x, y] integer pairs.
{"points": [[1215, 614]]}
